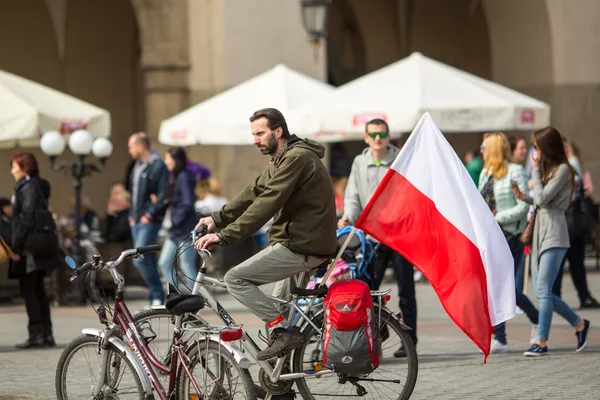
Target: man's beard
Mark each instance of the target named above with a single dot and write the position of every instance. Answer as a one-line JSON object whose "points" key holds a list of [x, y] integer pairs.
{"points": [[270, 148]]}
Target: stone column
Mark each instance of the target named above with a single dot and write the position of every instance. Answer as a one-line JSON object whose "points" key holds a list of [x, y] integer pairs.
{"points": [[165, 60]]}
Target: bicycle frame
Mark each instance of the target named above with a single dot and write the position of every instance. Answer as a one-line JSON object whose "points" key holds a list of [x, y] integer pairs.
{"points": [[247, 342], [143, 357]]}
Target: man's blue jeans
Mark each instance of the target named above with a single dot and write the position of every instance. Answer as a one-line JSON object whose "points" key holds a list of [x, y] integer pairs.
{"points": [[544, 276], [517, 249], [145, 235], [186, 261]]}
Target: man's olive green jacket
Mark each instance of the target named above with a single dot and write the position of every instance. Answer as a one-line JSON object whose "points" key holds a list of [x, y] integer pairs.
{"points": [[296, 191]]}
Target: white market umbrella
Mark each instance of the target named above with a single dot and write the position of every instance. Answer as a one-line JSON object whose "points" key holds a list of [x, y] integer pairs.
{"points": [[402, 92], [29, 109], [224, 118]]}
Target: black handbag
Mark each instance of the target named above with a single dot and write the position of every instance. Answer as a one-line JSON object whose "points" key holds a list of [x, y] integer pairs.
{"points": [[580, 220], [42, 240]]}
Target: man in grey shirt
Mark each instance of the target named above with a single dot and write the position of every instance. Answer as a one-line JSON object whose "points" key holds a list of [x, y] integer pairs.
{"points": [[368, 169]]}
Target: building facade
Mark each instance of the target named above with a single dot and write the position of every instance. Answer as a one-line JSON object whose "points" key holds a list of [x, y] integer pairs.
{"points": [[146, 60]]}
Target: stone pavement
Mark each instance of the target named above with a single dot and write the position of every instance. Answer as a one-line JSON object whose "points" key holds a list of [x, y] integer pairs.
{"points": [[450, 366]]}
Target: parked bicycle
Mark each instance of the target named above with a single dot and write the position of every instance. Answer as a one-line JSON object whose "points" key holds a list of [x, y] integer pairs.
{"points": [[117, 363], [395, 378]]}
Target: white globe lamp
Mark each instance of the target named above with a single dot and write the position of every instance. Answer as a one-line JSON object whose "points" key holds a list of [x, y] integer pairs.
{"points": [[102, 149], [80, 142], [52, 144]]}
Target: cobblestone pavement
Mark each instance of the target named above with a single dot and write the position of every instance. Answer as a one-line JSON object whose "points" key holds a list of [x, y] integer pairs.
{"points": [[450, 366]]}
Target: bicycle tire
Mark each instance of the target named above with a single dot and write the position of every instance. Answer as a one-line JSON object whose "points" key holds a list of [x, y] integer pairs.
{"points": [[391, 322], [183, 383], [67, 356]]}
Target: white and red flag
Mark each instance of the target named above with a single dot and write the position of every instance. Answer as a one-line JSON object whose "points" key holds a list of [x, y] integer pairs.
{"points": [[428, 209]]}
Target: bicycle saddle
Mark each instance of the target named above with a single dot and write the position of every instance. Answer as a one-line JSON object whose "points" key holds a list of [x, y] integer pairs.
{"points": [[179, 304]]}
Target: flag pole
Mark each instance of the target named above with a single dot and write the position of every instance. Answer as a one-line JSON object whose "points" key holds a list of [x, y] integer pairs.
{"points": [[339, 254]]}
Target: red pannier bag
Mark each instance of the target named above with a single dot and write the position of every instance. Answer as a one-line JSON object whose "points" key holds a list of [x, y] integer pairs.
{"points": [[352, 343]]}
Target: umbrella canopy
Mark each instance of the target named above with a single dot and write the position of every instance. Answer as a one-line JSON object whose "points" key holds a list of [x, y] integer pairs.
{"points": [[223, 119], [28, 109], [402, 92]]}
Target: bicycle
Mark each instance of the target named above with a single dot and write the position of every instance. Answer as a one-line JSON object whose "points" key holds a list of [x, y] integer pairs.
{"points": [[122, 351], [305, 365]]}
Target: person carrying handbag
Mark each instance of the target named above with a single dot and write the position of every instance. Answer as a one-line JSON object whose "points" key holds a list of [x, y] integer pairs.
{"points": [[553, 182], [32, 224]]}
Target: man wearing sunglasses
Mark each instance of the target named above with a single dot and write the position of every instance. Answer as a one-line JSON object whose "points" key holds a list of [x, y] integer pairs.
{"points": [[368, 169]]}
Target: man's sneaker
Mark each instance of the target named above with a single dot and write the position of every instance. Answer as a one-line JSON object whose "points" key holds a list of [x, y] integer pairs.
{"points": [[401, 352], [590, 302], [534, 333], [536, 351], [282, 342], [498, 347], [582, 336]]}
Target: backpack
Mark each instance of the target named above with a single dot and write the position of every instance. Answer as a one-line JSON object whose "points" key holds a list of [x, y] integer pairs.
{"points": [[358, 254], [351, 344]]}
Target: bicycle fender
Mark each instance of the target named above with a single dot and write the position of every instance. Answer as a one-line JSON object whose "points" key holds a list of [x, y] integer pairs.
{"points": [[400, 320], [130, 355], [235, 351]]}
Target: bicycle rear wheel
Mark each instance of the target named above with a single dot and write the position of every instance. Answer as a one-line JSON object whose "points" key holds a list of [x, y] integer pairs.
{"points": [[78, 372], [215, 372], [395, 378]]}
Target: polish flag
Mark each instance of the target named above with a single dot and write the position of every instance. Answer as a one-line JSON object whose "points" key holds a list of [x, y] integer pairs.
{"points": [[428, 209]]}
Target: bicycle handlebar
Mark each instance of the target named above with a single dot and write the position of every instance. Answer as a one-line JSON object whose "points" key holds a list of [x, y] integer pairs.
{"points": [[197, 233], [148, 249], [125, 254], [80, 270]]}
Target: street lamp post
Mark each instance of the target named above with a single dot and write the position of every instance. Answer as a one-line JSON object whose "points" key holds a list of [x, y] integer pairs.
{"points": [[315, 15], [81, 144]]}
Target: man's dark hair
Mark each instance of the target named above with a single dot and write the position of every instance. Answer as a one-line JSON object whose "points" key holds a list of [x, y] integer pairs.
{"points": [[274, 118], [143, 139], [377, 121]]}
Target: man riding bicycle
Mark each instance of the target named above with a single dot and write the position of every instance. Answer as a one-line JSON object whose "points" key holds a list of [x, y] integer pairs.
{"points": [[296, 191]]}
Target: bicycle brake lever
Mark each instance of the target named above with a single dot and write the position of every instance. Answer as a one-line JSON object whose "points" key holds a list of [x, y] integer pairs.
{"points": [[204, 253]]}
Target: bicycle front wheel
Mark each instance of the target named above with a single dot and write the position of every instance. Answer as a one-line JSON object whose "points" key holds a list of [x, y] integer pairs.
{"points": [[214, 374], [79, 368], [394, 379]]}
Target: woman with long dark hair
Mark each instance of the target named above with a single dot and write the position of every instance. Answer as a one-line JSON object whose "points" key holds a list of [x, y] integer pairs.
{"points": [[497, 179], [30, 202], [183, 220], [554, 184]]}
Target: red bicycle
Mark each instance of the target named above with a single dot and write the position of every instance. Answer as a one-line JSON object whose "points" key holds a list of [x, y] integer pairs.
{"points": [[117, 363]]}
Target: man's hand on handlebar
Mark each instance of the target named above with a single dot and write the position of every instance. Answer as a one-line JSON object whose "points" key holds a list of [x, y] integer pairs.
{"points": [[208, 242], [208, 222]]}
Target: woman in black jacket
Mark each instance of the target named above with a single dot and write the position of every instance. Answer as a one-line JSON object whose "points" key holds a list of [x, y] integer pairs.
{"points": [[30, 199]]}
